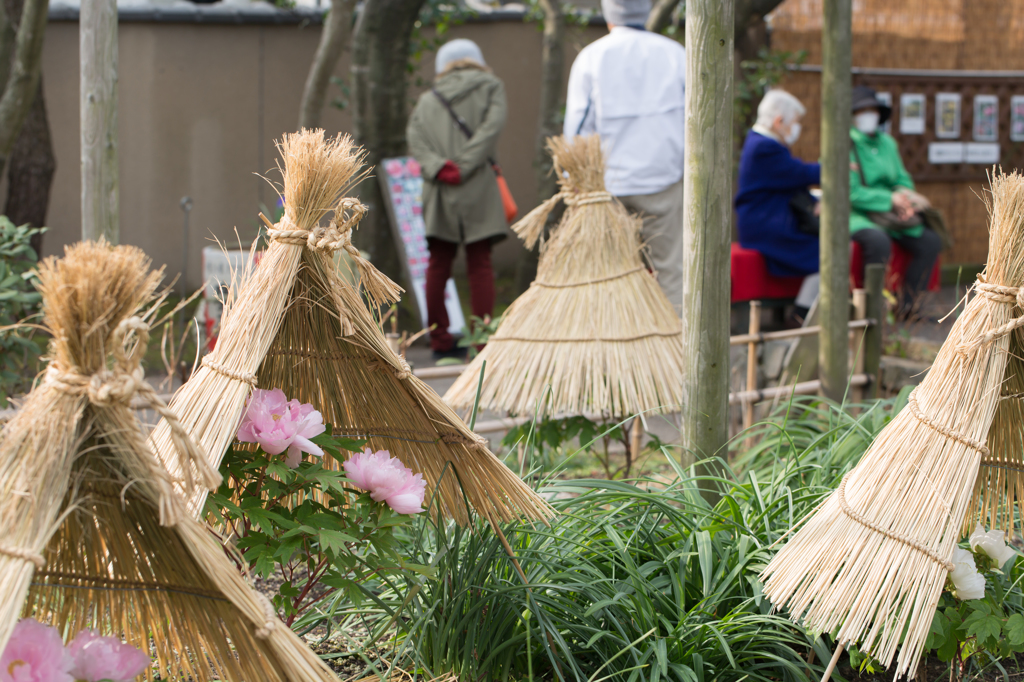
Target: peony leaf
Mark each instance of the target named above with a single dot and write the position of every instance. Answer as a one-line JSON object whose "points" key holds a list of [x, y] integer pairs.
{"points": [[1015, 629]]}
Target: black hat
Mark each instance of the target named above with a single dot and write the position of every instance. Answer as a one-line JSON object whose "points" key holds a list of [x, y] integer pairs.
{"points": [[866, 98]]}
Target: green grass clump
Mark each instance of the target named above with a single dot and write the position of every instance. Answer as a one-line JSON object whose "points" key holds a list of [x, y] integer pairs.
{"points": [[639, 580]]}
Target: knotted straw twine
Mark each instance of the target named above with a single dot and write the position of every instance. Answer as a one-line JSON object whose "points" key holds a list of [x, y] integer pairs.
{"points": [[999, 294], [122, 382], [326, 239], [271, 616]]}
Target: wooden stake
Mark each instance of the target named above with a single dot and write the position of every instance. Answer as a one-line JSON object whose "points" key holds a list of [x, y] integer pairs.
{"points": [[635, 436], [874, 275], [98, 87], [754, 329], [834, 305], [832, 663], [860, 310], [707, 224]]}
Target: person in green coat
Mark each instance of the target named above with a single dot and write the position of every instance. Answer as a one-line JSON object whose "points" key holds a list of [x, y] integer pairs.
{"points": [[453, 133], [881, 190]]}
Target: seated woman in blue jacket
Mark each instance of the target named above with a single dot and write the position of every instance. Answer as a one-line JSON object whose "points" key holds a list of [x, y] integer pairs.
{"points": [[769, 178]]}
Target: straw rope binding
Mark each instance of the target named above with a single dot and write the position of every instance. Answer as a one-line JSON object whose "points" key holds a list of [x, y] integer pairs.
{"points": [[219, 368], [586, 282], [23, 554], [909, 542], [1000, 294], [125, 381], [915, 410]]}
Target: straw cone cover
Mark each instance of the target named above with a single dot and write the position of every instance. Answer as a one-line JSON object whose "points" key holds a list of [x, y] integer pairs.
{"points": [[594, 332], [870, 563], [95, 533], [296, 324]]}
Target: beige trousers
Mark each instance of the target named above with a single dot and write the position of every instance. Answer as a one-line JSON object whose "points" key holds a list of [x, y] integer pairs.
{"points": [[662, 234]]}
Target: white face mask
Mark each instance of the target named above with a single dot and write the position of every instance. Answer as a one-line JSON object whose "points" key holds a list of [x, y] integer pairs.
{"points": [[866, 122], [793, 135]]}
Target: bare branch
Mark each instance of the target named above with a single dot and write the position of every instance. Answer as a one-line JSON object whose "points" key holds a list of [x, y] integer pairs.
{"points": [[334, 40]]}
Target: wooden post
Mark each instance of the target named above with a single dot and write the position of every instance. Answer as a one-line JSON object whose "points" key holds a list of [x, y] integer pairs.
{"points": [[835, 208], [874, 275], [754, 328], [707, 223], [97, 36], [856, 339]]}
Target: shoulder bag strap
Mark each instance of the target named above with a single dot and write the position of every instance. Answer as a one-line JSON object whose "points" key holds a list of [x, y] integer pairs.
{"points": [[460, 122]]}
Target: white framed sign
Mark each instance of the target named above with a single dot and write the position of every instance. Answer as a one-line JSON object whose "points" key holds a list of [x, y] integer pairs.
{"points": [[946, 152], [912, 106], [982, 152], [947, 115], [986, 118], [1017, 118]]}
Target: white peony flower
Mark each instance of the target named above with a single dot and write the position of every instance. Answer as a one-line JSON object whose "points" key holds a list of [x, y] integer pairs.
{"points": [[992, 543], [968, 582]]}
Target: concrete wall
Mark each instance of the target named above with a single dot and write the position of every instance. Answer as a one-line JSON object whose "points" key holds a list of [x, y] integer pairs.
{"points": [[201, 106]]}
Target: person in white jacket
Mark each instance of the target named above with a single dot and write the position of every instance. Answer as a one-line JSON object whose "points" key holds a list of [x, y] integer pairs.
{"points": [[628, 87]]}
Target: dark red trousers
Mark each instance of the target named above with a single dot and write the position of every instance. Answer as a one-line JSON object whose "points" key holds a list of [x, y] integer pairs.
{"points": [[439, 269]]}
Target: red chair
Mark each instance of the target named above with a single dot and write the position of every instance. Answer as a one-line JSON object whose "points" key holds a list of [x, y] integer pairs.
{"points": [[895, 272], [751, 280]]}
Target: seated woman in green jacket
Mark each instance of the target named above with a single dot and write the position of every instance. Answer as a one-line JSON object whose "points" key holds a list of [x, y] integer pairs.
{"points": [[879, 184]]}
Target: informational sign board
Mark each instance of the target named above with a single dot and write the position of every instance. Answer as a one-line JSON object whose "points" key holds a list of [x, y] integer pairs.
{"points": [[218, 265], [402, 184]]}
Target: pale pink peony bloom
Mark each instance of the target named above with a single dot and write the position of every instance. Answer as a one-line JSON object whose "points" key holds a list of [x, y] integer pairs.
{"points": [[279, 424], [387, 480], [35, 653], [105, 658]]}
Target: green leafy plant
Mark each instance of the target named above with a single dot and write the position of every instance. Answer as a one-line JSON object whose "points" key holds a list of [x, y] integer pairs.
{"points": [[976, 633], [307, 527], [20, 347], [634, 580]]}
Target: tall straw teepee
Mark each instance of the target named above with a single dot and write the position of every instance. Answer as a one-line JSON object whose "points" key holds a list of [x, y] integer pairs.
{"points": [[94, 532], [297, 325], [870, 563], [594, 332]]}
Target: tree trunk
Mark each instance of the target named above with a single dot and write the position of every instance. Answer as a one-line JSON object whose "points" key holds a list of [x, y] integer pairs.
{"points": [[30, 173], [97, 27], [834, 306], [707, 219], [334, 39], [23, 80], [380, 57], [747, 12], [660, 15], [551, 71]]}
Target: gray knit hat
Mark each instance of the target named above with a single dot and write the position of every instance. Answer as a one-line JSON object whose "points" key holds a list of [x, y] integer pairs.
{"points": [[454, 50], [626, 12]]}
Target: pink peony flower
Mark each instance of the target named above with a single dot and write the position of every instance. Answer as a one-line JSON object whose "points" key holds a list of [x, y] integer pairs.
{"points": [[387, 480], [35, 653], [105, 658], [279, 424]]}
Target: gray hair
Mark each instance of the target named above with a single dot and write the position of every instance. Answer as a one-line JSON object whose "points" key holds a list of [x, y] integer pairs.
{"points": [[779, 103]]}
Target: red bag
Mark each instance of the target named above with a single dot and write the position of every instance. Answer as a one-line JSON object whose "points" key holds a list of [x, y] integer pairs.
{"points": [[507, 201]]}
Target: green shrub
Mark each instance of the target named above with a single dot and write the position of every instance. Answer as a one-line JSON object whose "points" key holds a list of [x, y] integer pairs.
{"points": [[20, 348]]}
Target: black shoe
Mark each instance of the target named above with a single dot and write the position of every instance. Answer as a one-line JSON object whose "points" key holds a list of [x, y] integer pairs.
{"points": [[453, 352]]}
